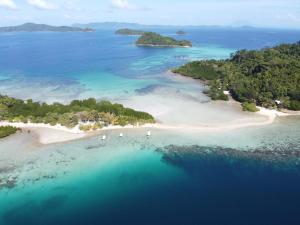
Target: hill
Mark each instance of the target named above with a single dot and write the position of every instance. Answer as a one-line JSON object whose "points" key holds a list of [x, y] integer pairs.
{"points": [[151, 39], [269, 77], [32, 27]]}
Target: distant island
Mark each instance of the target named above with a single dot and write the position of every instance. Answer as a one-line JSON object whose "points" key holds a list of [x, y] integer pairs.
{"points": [[269, 77], [86, 114], [127, 31], [181, 32], [151, 39], [137, 26], [32, 27]]}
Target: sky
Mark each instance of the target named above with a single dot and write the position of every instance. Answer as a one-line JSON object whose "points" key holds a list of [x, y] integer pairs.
{"points": [[260, 13]]}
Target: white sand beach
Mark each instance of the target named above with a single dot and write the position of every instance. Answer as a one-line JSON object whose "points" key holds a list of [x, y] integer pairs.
{"points": [[181, 107], [48, 134]]}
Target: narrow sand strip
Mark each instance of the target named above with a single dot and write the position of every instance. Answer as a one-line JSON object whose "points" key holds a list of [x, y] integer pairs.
{"points": [[54, 134]]}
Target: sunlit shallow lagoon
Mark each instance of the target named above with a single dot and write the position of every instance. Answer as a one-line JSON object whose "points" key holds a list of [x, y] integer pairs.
{"points": [[173, 177]]}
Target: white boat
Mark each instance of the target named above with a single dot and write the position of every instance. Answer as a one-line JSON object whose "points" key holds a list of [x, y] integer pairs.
{"points": [[121, 135], [148, 133], [103, 137]]}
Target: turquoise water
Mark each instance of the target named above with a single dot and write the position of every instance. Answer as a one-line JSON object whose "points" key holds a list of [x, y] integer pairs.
{"points": [[126, 180], [67, 66], [170, 178]]}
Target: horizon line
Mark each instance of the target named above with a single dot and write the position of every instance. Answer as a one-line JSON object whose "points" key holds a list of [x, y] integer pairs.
{"points": [[160, 25]]}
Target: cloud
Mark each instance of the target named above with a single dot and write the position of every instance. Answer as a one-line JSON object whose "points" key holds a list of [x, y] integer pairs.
{"points": [[294, 18], [42, 4], [9, 4], [123, 4]]}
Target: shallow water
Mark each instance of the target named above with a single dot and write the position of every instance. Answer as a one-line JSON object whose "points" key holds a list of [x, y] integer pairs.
{"points": [[135, 180], [125, 180]]}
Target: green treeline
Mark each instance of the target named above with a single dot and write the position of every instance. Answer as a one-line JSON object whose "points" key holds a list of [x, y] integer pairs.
{"points": [[154, 39], [101, 113], [5, 131], [127, 31], [269, 77]]}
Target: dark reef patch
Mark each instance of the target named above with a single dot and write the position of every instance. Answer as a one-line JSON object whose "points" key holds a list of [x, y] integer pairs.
{"points": [[199, 157], [149, 89]]}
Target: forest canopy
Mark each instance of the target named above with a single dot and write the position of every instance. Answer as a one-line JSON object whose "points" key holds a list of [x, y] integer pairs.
{"points": [[78, 111], [154, 39], [269, 77], [127, 31], [6, 131]]}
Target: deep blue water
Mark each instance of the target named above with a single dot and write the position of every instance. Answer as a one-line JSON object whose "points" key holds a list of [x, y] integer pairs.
{"points": [[213, 190], [216, 189], [71, 65], [66, 60], [61, 53]]}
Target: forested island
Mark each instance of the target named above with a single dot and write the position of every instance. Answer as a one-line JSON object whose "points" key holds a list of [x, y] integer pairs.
{"points": [[127, 31], [181, 32], [32, 27], [269, 77], [89, 114], [151, 39]]}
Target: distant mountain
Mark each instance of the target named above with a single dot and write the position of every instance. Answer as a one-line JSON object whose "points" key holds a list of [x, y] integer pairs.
{"points": [[136, 26], [32, 27], [109, 25]]}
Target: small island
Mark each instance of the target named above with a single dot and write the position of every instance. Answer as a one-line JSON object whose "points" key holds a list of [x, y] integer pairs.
{"points": [[150, 39], [129, 32], [269, 77], [86, 114], [32, 27], [180, 32]]}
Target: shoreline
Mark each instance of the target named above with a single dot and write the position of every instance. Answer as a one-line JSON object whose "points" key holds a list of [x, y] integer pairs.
{"points": [[48, 134], [163, 46]]}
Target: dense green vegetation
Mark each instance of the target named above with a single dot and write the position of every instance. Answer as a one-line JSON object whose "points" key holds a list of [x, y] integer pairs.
{"points": [[215, 92], [98, 114], [154, 39], [127, 31], [269, 77], [249, 106], [5, 131]]}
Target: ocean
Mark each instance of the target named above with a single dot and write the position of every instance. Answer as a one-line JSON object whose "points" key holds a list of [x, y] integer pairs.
{"points": [[244, 176]]}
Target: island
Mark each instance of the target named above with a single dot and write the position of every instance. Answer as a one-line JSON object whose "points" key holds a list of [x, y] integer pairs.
{"points": [[32, 27], [269, 77], [181, 32], [150, 39], [86, 114], [127, 31]]}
